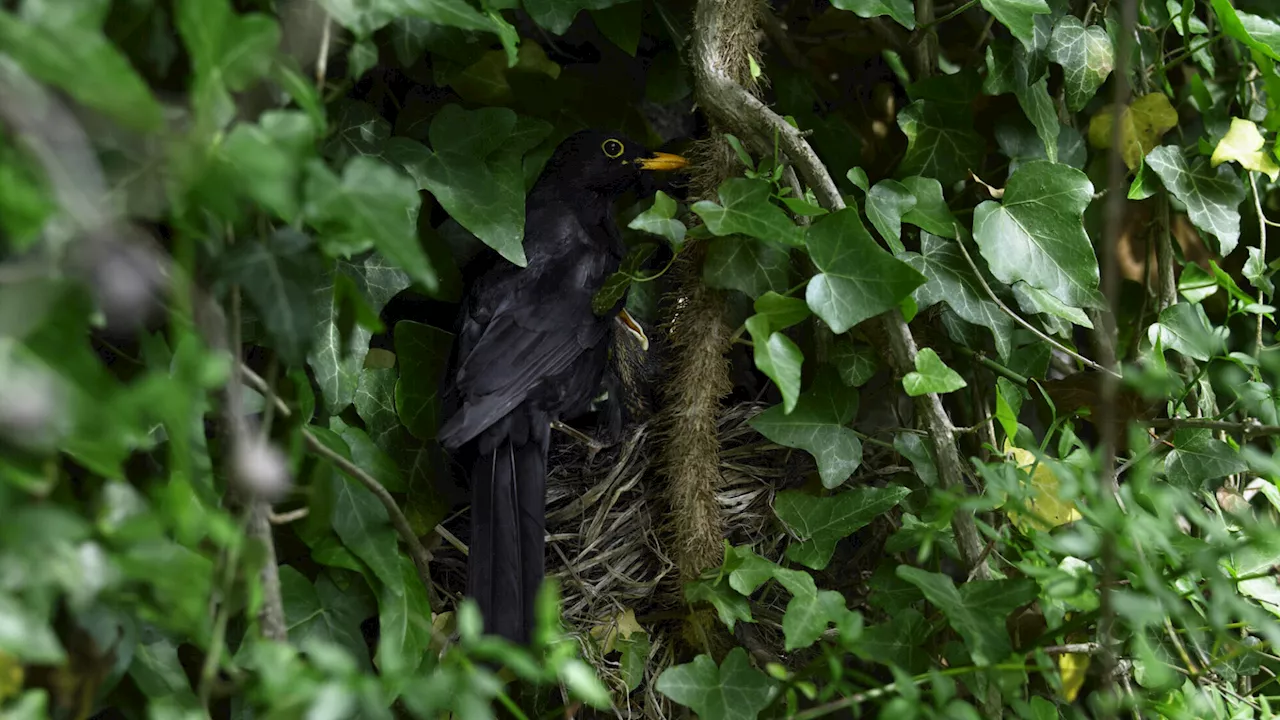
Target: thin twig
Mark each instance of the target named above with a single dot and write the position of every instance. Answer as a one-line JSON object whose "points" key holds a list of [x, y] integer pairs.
{"points": [[421, 556], [287, 517], [1018, 319], [1249, 427], [1262, 240], [322, 61]]}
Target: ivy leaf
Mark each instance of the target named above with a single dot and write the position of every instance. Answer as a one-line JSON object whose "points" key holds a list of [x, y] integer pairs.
{"points": [[901, 641], [324, 612], [730, 605], [931, 376], [276, 276], [1034, 300], [747, 571], [1244, 144], [358, 130], [371, 456], [1198, 457], [660, 220], [1212, 197], [266, 158], [941, 142], [423, 353], [858, 278], [372, 206], [810, 610], [855, 362], [781, 311], [746, 265], [80, 60], [745, 209], [778, 358], [622, 24], [930, 211], [616, 285], [376, 406], [887, 202], [821, 522], [1257, 32], [404, 623], [362, 524], [1018, 16], [920, 455], [951, 279], [733, 691], [1037, 235], [341, 345], [1021, 143], [977, 609], [26, 636], [902, 11], [475, 171], [227, 49], [557, 15], [1142, 124], [817, 425], [1185, 327], [1086, 57], [1039, 108]]}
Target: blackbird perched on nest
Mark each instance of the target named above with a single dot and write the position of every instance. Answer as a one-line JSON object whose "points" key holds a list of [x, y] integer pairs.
{"points": [[530, 351]]}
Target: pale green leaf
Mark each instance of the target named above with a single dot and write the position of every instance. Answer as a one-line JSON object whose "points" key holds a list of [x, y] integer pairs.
{"points": [[817, 425], [1212, 196], [732, 691], [931, 376], [821, 522]]}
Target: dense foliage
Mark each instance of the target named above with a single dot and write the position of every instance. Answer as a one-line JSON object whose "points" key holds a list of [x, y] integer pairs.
{"points": [[231, 236]]}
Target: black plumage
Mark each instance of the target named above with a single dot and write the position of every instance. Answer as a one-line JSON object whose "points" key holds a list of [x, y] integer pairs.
{"points": [[530, 350]]}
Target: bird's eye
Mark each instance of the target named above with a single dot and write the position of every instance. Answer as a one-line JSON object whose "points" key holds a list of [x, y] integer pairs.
{"points": [[612, 148]]}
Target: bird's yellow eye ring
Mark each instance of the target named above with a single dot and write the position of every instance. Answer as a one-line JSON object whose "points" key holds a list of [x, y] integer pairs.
{"points": [[612, 148]]}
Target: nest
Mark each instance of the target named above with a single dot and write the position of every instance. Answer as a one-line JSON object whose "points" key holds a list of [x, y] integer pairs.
{"points": [[609, 541]]}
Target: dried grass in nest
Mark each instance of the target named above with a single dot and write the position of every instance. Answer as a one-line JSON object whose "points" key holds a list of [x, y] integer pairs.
{"points": [[610, 534]]}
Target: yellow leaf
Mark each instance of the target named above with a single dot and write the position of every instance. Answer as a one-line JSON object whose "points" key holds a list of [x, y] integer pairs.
{"points": [[1142, 124], [1243, 144], [623, 624], [11, 676], [1073, 667], [1045, 509]]}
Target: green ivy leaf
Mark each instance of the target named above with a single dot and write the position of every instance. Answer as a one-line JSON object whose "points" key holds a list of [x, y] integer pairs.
{"points": [[729, 604], [1257, 32], [858, 278], [903, 12], [1212, 196], [622, 24], [616, 286], [811, 611], [358, 130], [372, 206], [26, 636], [1020, 141], [817, 425], [941, 142], [746, 265], [781, 311], [362, 523], [1018, 16], [475, 171], [930, 211], [276, 275], [660, 220], [80, 60], [1198, 457], [266, 158], [340, 344], [821, 522], [227, 49], [369, 455], [1185, 327], [375, 403], [977, 609], [423, 353], [931, 376], [778, 358], [1086, 57], [919, 454], [733, 691], [557, 15], [1037, 235], [901, 641], [747, 570], [951, 279], [887, 202], [745, 209], [855, 362], [404, 623], [325, 612]]}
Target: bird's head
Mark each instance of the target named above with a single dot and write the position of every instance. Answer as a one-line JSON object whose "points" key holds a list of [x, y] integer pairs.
{"points": [[605, 163]]}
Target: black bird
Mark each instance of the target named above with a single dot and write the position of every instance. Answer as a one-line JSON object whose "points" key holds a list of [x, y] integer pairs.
{"points": [[530, 351]]}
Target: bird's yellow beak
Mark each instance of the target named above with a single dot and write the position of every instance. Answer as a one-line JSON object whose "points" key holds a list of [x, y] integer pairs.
{"points": [[663, 161], [631, 326]]}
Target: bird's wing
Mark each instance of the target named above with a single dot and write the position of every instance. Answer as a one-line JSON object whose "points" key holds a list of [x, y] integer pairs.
{"points": [[541, 323]]}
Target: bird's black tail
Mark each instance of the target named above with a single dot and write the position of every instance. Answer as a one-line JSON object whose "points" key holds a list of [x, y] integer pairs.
{"points": [[508, 524]]}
